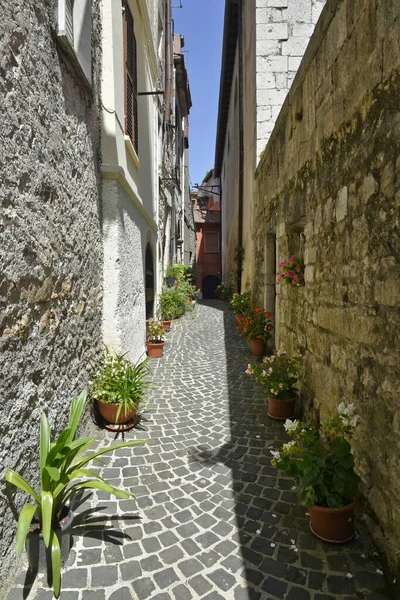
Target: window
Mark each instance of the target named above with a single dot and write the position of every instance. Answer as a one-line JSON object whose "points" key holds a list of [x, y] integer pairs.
{"points": [[130, 69], [211, 241], [74, 33]]}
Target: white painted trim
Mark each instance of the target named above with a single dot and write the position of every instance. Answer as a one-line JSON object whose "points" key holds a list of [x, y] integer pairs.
{"points": [[131, 151], [116, 172]]}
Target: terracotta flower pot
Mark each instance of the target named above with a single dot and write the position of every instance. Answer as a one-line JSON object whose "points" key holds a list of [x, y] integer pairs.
{"points": [[166, 324], [281, 409], [258, 347], [330, 525], [155, 349], [109, 410]]}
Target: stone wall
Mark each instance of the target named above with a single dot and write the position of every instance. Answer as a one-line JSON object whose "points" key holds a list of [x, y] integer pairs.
{"points": [[51, 259], [328, 187], [283, 30]]}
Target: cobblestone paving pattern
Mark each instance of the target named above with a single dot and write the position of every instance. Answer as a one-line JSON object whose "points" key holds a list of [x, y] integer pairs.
{"points": [[212, 520]]}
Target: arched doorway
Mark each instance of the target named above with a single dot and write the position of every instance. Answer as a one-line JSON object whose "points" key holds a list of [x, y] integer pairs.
{"points": [[210, 282], [149, 273]]}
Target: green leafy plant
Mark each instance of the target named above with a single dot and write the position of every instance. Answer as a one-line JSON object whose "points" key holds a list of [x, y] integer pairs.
{"points": [[278, 374], [155, 331], [291, 271], [238, 256], [179, 271], [186, 288], [255, 324], [225, 290], [241, 303], [320, 460], [63, 472], [172, 304], [117, 380]]}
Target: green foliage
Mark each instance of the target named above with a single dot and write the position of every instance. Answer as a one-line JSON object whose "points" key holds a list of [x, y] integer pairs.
{"points": [[255, 324], [238, 256], [117, 380], [172, 304], [63, 472], [225, 289], [186, 288], [241, 303], [322, 465], [155, 332], [179, 271], [278, 375]]}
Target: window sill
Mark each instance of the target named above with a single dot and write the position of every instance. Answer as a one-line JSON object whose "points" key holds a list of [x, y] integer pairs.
{"points": [[131, 151]]}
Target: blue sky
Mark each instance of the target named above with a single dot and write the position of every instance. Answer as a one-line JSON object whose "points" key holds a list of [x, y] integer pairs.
{"points": [[201, 24]]}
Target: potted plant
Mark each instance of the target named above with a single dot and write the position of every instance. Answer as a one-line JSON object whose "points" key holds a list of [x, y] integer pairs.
{"points": [[278, 375], [118, 386], [241, 304], [256, 326], [224, 291], [155, 338], [291, 271], [322, 464], [186, 288], [172, 305], [45, 522]]}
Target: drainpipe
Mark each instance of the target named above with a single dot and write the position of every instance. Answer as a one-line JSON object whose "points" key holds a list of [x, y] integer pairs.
{"points": [[168, 60], [241, 135]]}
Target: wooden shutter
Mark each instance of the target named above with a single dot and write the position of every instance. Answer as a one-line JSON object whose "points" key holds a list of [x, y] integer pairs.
{"points": [[130, 62], [69, 21]]}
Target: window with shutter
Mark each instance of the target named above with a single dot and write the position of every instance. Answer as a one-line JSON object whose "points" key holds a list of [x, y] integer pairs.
{"points": [[130, 63], [211, 241]]}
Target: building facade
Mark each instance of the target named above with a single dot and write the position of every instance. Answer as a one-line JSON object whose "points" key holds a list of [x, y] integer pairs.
{"points": [[50, 232], [263, 45], [207, 216]]}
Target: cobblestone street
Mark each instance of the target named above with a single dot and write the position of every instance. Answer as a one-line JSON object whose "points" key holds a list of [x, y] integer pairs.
{"points": [[212, 520]]}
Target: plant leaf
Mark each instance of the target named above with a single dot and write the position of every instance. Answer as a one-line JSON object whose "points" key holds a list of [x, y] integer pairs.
{"points": [[47, 516], [99, 485], [90, 457], [75, 413], [55, 563], [15, 479], [44, 448], [24, 521]]}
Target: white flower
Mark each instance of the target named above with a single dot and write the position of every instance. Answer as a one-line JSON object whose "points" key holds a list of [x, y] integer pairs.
{"points": [[289, 445], [341, 408], [354, 420], [345, 421], [276, 454], [290, 425], [249, 370], [270, 370]]}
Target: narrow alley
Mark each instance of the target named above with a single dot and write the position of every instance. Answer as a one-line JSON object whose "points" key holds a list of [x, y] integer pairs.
{"points": [[211, 521]]}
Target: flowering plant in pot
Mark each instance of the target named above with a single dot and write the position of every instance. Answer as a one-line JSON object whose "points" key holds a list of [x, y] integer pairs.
{"points": [[119, 386], [322, 464], [291, 271], [224, 291], [278, 374], [45, 522], [155, 336], [241, 303], [256, 326]]}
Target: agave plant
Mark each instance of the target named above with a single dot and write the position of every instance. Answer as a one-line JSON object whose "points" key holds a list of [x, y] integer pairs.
{"points": [[62, 474]]}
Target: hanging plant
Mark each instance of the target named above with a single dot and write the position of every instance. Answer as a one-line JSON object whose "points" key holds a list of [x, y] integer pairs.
{"points": [[291, 271]]}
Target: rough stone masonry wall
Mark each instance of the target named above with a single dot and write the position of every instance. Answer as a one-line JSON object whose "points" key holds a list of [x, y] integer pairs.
{"points": [[283, 29], [50, 257], [331, 170]]}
